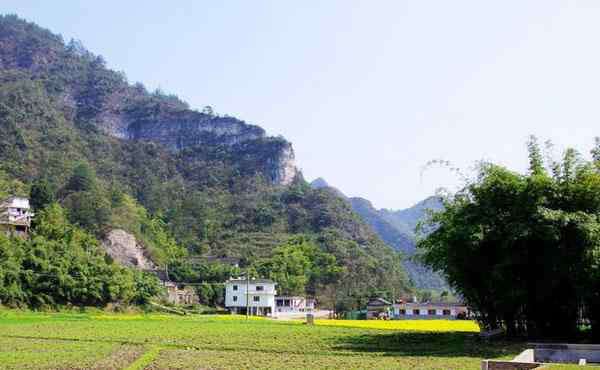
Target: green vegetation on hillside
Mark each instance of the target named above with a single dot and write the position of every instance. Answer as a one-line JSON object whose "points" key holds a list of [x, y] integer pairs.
{"points": [[62, 114], [60, 264]]}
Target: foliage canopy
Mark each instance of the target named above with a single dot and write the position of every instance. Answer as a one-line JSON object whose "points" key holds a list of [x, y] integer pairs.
{"points": [[523, 249]]}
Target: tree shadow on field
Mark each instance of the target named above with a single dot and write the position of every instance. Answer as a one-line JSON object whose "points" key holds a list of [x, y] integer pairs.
{"points": [[428, 344]]}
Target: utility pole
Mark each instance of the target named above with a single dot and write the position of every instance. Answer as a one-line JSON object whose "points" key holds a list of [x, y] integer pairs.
{"points": [[247, 293]]}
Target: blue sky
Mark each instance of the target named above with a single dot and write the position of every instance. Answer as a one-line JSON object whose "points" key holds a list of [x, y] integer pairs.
{"points": [[367, 91]]}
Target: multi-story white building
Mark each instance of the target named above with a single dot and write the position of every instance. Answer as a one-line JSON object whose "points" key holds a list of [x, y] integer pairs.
{"points": [[255, 296], [15, 215]]}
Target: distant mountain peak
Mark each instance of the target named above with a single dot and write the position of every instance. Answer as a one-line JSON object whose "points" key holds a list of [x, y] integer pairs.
{"points": [[319, 183], [363, 203]]}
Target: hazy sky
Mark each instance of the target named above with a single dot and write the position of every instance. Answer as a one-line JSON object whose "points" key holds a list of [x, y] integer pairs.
{"points": [[367, 91]]}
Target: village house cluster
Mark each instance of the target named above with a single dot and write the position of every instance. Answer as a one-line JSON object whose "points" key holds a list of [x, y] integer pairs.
{"points": [[379, 308], [259, 297]]}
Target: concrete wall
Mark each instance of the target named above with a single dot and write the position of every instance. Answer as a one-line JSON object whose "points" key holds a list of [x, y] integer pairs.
{"points": [[564, 352], [507, 365]]}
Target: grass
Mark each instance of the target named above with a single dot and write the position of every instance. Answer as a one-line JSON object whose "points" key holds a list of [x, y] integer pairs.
{"points": [[102, 341], [21, 353]]}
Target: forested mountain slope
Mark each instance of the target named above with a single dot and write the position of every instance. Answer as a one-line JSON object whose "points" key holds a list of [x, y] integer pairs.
{"points": [[407, 219], [216, 184], [396, 229]]}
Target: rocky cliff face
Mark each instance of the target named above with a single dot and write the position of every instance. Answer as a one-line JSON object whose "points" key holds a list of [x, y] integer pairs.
{"points": [[125, 250], [284, 168], [91, 94], [194, 129], [182, 129]]}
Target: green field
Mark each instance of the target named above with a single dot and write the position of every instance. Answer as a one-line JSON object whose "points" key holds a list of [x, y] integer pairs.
{"points": [[88, 341]]}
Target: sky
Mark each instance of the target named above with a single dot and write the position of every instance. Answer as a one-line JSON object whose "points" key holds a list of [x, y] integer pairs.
{"points": [[368, 92]]}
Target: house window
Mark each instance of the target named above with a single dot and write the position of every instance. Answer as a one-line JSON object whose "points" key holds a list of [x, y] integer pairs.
{"points": [[235, 298], [416, 311], [235, 287], [286, 302], [279, 302], [446, 312], [260, 288], [256, 298], [431, 312], [402, 312]]}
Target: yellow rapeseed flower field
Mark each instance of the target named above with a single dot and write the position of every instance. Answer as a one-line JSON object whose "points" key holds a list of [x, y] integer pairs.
{"points": [[407, 325]]}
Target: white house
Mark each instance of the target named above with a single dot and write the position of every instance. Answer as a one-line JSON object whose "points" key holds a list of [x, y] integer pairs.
{"points": [[255, 295], [15, 214], [294, 304]]}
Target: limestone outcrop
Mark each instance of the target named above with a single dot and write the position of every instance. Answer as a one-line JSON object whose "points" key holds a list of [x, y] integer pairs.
{"points": [[124, 249]]}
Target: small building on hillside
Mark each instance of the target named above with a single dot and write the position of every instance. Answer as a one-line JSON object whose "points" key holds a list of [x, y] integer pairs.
{"points": [[176, 293], [255, 296], [378, 308], [428, 310], [15, 215], [184, 295], [294, 304]]}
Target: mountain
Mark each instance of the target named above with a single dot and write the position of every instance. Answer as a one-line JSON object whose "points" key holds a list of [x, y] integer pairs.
{"points": [[407, 219], [320, 183], [389, 233], [397, 229], [119, 157]]}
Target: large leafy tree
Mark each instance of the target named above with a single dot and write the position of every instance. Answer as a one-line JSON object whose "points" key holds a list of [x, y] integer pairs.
{"points": [[42, 193], [299, 266], [82, 179], [522, 249]]}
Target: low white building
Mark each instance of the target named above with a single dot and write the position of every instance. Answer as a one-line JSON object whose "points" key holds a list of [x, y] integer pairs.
{"points": [[428, 310], [294, 304], [256, 296], [16, 215]]}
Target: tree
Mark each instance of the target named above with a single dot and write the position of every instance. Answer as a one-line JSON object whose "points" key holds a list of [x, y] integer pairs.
{"points": [[522, 249], [536, 161], [41, 194], [147, 286], [89, 209], [10, 186], [290, 268], [299, 267], [82, 179]]}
